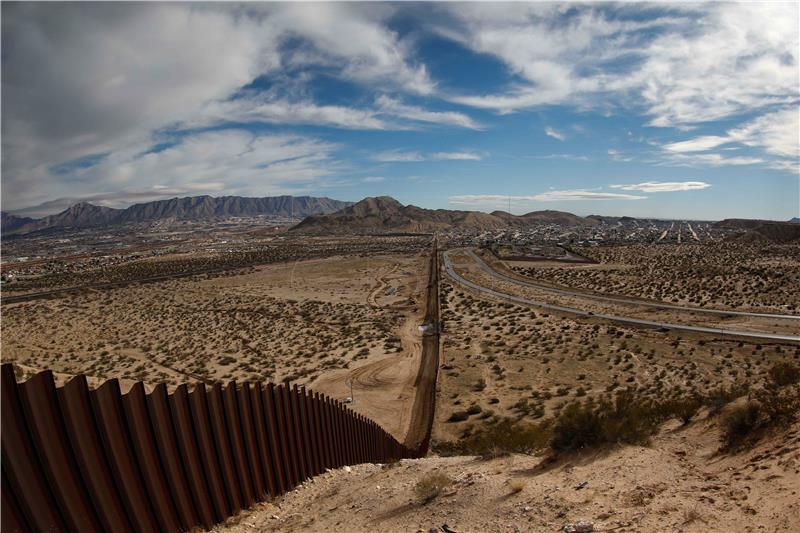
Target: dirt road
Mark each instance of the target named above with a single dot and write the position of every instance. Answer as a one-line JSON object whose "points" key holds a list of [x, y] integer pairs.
{"points": [[422, 413]]}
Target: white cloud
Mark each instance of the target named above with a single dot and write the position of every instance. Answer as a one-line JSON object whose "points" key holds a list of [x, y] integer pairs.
{"points": [[714, 160], [580, 194], [87, 79], [568, 157], [549, 196], [388, 114], [616, 155], [352, 37], [776, 133], [693, 63], [663, 186], [394, 107], [697, 144], [551, 132], [373, 179], [260, 108], [236, 161], [457, 156], [399, 156]]}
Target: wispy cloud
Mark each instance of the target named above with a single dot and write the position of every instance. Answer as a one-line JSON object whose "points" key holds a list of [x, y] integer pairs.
{"points": [[698, 144], [616, 155], [568, 157], [694, 63], [549, 196], [580, 194], [555, 134], [396, 108], [663, 186], [399, 156], [457, 156], [713, 160], [373, 179], [776, 135]]}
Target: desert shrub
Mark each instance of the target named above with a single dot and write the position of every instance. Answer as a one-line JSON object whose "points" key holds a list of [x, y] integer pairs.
{"points": [[630, 419], [740, 423], [684, 408], [768, 408], [498, 440], [783, 374], [474, 409], [431, 485], [780, 406], [718, 398], [579, 425], [458, 416]]}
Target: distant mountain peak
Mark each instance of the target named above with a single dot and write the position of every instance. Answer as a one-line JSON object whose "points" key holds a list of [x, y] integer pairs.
{"points": [[85, 214], [384, 214]]}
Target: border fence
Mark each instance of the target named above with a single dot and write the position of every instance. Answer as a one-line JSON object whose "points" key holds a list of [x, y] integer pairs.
{"points": [[82, 459]]}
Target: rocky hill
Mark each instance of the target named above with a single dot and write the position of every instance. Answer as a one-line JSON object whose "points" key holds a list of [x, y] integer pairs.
{"points": [[9, 222], [384, 214], [86, 215], [761, 230]]}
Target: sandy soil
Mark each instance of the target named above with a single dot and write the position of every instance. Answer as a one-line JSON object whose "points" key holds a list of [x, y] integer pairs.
{"points": [[729, 275], [762, 324], [505, 360], [301, 321], [680, 483]]}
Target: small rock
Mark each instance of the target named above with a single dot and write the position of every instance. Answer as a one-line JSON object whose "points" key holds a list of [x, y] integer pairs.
{"points": [[348, 469], [579, 527], [526, 508]]}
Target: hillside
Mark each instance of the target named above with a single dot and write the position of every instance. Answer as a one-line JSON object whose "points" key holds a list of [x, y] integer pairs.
{"points": [[762, 230], [384, 214], [677, 483], [86, 215], [9, 222]]}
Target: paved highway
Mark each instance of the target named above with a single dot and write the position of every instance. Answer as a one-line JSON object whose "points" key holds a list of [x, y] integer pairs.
{"points": [[616, 299], [614, 318]]}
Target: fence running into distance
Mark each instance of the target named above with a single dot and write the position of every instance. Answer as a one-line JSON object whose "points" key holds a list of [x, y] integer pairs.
{"points": [[81, 459]]}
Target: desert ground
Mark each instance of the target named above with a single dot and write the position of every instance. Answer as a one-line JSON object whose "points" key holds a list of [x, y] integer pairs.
{"points": [[504, 360], [728, 275], [322, 323], [347, 325], [678, 483]]}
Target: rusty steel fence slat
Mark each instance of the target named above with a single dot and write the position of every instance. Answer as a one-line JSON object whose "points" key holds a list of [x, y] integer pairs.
{"points": [[82, 459]]}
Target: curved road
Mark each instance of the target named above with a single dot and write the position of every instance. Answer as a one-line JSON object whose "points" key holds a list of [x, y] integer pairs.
{"points": [[614, 318], [616, 299]]}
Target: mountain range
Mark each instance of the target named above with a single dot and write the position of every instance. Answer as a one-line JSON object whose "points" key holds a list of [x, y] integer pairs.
{"points": [[86, 215], [384, 214]]}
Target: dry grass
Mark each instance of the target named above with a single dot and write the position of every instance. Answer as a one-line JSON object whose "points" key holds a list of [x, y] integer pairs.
{"points": [[431, 486], [517, 486]]}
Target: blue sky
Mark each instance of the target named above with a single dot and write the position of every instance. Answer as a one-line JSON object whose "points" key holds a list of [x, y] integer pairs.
{"points": [[662, 110]]}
